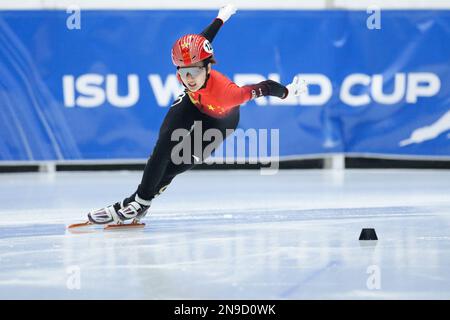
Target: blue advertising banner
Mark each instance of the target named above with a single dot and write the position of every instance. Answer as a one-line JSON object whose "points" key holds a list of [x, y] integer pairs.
{"points": [[101, 91]]}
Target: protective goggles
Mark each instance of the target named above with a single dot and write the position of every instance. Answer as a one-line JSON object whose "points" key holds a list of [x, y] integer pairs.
{"points": [[193, 71]]}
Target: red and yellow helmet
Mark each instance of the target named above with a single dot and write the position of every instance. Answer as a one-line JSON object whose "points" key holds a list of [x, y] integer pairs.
{"points": [[190, 49]]}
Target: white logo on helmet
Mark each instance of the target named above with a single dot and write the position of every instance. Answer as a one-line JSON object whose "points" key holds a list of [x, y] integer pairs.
{"points": [[207, 47]]}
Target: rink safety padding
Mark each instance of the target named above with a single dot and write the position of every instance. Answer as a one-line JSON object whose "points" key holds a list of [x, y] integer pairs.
{"points": [[101, 91]]}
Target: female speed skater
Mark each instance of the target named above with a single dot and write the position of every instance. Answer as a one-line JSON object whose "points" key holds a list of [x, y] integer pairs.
{"points": [[209, 98]]}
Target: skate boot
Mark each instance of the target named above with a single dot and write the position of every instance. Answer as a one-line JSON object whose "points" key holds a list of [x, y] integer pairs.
{"points": [[135, 210], [120, 212], [138, 208], [106, 215]]}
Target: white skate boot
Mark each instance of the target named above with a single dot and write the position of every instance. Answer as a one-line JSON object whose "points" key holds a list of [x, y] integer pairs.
{"points": [[135, 210], [114, 216], [119, 213], [106, 215], [138, 208]]}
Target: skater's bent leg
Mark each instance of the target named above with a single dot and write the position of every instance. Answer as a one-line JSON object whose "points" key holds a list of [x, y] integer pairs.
{"points": [[180, 116], [225, 125]]}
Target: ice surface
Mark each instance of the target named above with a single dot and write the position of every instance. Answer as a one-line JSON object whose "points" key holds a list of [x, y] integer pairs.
{"points": [[230, 235]]}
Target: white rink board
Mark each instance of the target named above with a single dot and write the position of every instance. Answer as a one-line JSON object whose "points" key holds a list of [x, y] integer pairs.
{"points": [[230, 235], [215, 4]]}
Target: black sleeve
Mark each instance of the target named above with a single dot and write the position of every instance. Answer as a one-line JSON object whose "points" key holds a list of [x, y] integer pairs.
{"points": [[211, 30]]}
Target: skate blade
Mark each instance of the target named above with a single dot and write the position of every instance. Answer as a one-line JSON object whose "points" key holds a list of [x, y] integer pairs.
{"points": [[84, 227], [79, 225], [125, 226]]}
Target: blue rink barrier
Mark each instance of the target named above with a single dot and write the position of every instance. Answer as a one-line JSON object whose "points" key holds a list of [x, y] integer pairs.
{"points": [[101, 92]]}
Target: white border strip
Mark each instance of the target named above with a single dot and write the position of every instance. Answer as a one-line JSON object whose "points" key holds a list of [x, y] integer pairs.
{"points": [[215, 4], [160, 5], [391, 4]]}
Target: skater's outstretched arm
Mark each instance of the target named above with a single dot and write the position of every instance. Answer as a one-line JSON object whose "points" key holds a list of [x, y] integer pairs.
{"points": [[224, 14], [231, 95]]}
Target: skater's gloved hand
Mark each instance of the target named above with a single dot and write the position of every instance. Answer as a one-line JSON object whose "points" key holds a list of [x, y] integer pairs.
{"points": [[275, 89], [296, 87], [226, 12]]}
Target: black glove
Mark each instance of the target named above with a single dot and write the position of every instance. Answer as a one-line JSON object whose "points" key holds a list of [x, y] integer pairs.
{"points": [[275, 89], [269, 88]]}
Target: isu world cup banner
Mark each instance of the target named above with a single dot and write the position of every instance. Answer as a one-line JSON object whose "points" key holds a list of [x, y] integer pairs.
{"points": [[101, 91]]}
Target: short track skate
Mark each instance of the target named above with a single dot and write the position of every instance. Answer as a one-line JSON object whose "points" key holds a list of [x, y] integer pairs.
{"points": [[114, 226]]}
